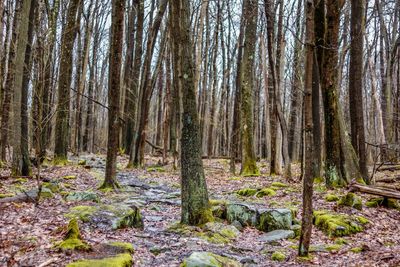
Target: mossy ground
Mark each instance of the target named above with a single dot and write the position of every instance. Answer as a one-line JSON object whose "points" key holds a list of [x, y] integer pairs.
{"points": [[351, 200]]}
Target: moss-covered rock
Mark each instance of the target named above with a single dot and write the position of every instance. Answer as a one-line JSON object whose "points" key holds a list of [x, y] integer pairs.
{"points": [[120, 260], [218, 233], [278, 256], [218, 208], [331, 198], [54, 187], [389, 203], [208, 259], [357, 249], [266, 192], [72, 239], [274, 219], [247, 192], [20, 180], [82, 196], [334, 225], [115, 216], [351, 200], [242, 213], [276, 235], [82, 162], [46, 193], [296, 228]]}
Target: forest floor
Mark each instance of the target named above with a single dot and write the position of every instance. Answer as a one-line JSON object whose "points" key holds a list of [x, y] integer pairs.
{"points": [[29, 233]]}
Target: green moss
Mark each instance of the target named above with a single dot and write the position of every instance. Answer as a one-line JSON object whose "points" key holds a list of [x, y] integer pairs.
{"points": [[237, 178], [156, 169], [266, 192], [319, 180], [60, 161], [362, 220], [128, 247], [337, 224], [46, 193], [351, 200], [81, 212], [357, 249], [82, 162], [69, 177], [383, 202], [279, 184], [333, 247], [205, 216], [20, 180], [250, 169], [341, 241], [120, 260], [247, 192], [320, 188], [331, 198], [72, 239], [218, 208], [4, 195], [53, 187], [278, 256]]}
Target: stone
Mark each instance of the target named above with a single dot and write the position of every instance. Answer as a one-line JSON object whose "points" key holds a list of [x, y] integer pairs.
{"points": [[52, 186], [351, 200], [242, 213], [208, 259], [218, 233], [238, 225], [114, 216], [120, 260], [82, 196], [336, 225], [277, 235], [274, 219], [46, 193], [296, 228]]}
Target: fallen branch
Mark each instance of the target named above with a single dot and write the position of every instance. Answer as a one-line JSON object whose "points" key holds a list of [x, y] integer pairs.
{"points": [[374, 190], [29, 196], [388, 179], [154, 146], [389, 168]]}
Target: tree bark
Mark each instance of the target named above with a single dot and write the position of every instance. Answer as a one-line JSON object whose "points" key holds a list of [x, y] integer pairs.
{"points": [[64, 83], [114, 81], [195, 205]]}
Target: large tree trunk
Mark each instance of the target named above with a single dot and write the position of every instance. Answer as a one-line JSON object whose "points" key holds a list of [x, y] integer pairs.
{"points": [[64, 83], [341, 161], [20, 164], [195, 205], [250, 16], [114, 82], [356, 84]]}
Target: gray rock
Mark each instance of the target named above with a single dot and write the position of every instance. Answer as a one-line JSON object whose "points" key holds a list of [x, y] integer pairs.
{"points": [[114, 216], [82, 196], [238, 225], [207, 259], [242, 213], [274, 219], [277, 235]]}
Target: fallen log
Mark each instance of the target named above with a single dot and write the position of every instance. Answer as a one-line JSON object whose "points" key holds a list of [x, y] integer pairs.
{"points": [[388, 168], [388, 179], [374, 190], [30, 196]]}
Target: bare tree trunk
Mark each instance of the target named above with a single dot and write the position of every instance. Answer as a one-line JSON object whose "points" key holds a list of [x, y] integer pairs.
{"points": [[114, 81], [356, 85], [195, 205], [308, 177], [66, 58], [21, 164], [250, 15]]}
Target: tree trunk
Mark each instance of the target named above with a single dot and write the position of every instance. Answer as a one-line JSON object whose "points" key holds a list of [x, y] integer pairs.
{"points": [[195, 205], [64, 83], [356, 84], [308, 176], [250, 15], [114, 81], [21, 165]]}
